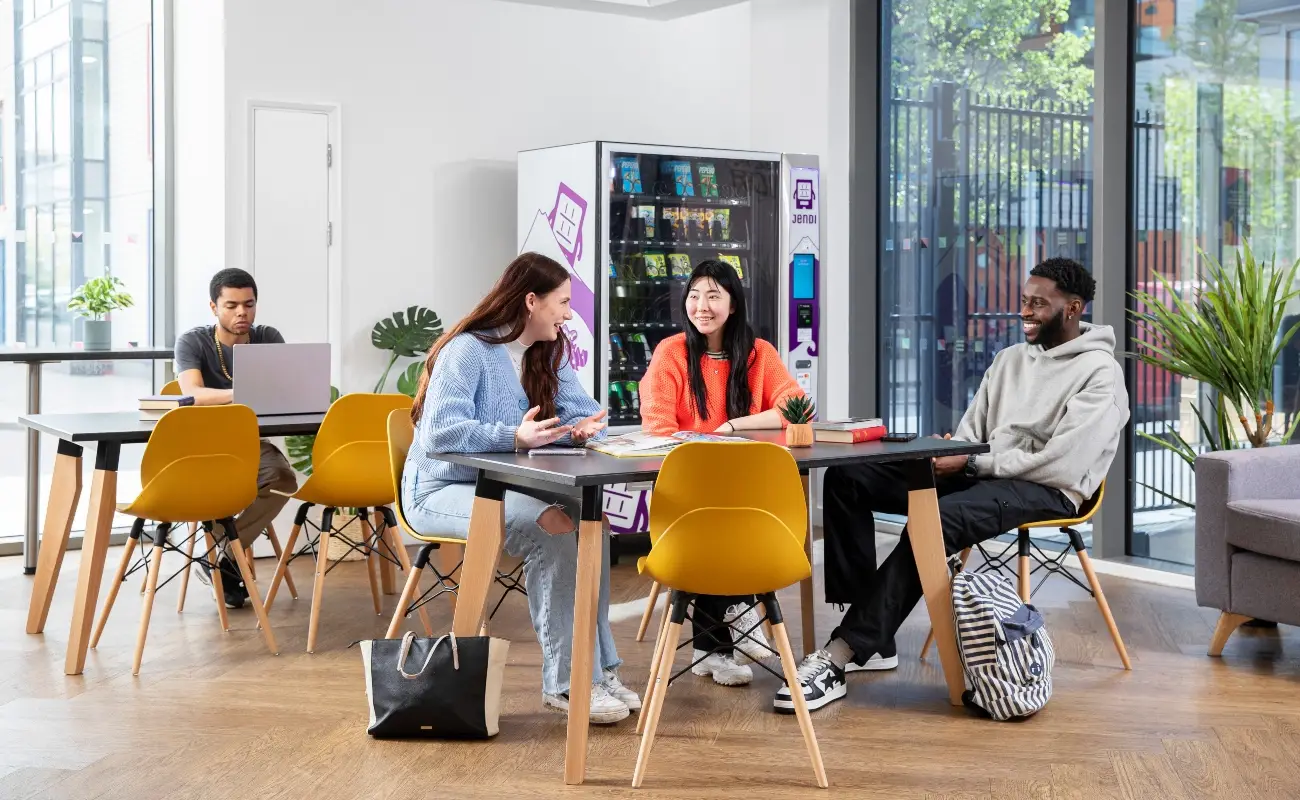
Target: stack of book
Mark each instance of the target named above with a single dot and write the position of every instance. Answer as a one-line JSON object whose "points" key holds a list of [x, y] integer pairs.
{"points": [[849, 431], [153, 407]]}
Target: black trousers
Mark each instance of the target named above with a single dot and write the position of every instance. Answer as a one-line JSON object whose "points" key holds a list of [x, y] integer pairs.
{"points": [[879, 599], [711, 635]]}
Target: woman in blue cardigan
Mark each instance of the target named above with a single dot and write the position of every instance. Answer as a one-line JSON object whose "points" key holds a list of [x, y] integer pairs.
{"points": [[498, 381]]}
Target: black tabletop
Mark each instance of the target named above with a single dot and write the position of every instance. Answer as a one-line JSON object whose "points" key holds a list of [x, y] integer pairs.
{"points": [[62, 353], [598, 469], [125, 427]]}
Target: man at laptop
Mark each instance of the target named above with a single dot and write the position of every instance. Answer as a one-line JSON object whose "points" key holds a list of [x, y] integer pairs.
{"points": [[205, 368]]}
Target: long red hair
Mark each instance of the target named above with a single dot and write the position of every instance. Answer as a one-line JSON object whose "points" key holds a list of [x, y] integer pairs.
{"points": [[504, 308]]}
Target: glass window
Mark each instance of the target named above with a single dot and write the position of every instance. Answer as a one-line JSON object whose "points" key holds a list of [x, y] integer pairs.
{"points": [[44, 123], [62, 121], [92, 74]]}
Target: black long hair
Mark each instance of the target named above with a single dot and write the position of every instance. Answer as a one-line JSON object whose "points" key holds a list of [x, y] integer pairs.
{"points": [[737, 341]]}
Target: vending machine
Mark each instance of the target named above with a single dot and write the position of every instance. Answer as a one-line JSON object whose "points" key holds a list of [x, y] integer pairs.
{"points": [[631, 221]]}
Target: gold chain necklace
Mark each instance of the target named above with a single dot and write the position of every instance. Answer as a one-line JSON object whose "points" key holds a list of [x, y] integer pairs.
{"points": [[220, 357]]}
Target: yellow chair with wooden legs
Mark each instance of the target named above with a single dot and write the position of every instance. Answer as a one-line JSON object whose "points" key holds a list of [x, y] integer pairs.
{"points": [[1052, 564], [728, 519], [199, 466], [350, 472]]}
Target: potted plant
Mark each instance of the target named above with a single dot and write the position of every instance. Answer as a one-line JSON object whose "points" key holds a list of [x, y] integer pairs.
{"points": [[407, 334], [798, 411], [94, 300], [1228, 336]]}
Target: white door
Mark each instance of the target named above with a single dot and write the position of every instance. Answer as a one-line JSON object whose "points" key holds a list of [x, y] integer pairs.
{"points": [[290, 232]]}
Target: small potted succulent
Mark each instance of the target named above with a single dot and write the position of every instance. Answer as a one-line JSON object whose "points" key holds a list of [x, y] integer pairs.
{"points": [[798, 411], [94, 300]]}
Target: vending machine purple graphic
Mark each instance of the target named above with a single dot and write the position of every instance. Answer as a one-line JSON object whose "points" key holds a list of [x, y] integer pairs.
{"points": [[805, 195]]}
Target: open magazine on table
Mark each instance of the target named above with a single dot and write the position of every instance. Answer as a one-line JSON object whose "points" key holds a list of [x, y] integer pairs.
{"points": [[639, 444]]}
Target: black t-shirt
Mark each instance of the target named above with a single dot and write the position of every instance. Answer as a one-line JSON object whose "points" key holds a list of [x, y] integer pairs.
{"points": [[197, 349]]}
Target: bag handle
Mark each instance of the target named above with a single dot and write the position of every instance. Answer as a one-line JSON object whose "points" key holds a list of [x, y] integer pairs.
{"points": [[409, 639]]}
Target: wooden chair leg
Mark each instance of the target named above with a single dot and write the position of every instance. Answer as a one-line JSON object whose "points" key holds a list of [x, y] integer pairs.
{"points": [[1104, 607], [189, 563], [118, 577], [318, 588], [1228, 622], [655, 700], [218, 590], [151, 587], [282, 569], [648, 614], [1022, 566], [404, 558], [410, 591], [652, 682], [279, 553], [386, 577], [241, 558], [372, 560], [448, 557], [791, 669], [929, 637]]}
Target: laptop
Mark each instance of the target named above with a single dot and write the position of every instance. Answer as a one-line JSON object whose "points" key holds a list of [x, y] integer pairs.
{"points": [[276, 379]]}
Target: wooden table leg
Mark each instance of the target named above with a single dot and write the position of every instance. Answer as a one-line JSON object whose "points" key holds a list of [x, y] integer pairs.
{"points": [[487, 533], [65, 492], [586, 596], [808, 587], [926, 533], [94, 547]]}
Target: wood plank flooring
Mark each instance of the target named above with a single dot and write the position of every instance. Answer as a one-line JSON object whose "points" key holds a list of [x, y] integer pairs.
{"points": [[214, 716]]}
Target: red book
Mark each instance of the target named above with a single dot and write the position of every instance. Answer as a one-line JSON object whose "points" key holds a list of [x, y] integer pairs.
{"points": [[858, 436]]}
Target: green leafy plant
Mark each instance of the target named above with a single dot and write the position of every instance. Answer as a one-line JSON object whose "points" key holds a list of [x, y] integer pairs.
{"points": [[407, 334], [798, 410], [1229, 337], [98, 296]]}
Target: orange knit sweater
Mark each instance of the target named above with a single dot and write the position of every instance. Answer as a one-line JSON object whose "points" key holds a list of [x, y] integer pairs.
{"points": [[667, 405]]}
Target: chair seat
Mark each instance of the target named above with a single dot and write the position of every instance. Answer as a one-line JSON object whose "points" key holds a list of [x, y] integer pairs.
{"points": [[1268, 527]]}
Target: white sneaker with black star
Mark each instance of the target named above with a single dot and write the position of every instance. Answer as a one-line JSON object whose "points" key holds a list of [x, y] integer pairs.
{"points": [[753, 646], [821, 681], [887, 658]]}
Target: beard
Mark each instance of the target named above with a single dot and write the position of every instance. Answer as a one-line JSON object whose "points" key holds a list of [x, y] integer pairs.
{"points": [[1052, 332]]}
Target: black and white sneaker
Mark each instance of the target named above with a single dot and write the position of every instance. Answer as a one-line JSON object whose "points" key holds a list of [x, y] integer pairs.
{"points": [[232, 585], [887, 658], [822, 683]]}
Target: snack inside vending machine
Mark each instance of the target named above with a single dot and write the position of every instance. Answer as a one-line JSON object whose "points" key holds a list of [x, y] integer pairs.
{"points": [[631, 221]]}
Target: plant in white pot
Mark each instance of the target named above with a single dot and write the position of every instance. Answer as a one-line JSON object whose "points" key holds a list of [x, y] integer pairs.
{"points": [[94, 300]]}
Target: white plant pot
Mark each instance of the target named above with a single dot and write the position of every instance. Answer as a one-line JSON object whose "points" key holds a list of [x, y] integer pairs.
{"points": [[97, 334]]}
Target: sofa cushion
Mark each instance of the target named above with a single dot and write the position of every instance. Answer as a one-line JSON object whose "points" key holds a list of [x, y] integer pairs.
{"points": [[1271, 527]]}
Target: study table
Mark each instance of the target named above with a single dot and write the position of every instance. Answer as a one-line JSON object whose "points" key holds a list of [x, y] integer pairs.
{"points": [[107, 431], [583, 476], [35, 358]]}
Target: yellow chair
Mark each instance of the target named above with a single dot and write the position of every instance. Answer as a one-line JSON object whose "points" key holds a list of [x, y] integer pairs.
{"points": [[199, 466], [728, 519], [349, 472], [1052, 564]]}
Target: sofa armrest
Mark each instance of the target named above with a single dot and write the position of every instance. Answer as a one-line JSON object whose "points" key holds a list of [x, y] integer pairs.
{"points": [[1264, 473]]}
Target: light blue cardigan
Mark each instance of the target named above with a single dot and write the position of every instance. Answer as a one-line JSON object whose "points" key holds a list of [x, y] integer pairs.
{"points": [[474, 404]]}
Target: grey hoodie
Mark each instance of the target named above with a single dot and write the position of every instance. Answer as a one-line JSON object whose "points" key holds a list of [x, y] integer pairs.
{"points": [[1053, 417]]}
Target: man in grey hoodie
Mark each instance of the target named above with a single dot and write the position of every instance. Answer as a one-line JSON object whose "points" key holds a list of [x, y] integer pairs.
{"points": [[1051, 410]]}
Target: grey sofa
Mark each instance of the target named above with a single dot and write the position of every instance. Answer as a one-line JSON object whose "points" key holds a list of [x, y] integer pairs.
{"points": [[1248, 537]]}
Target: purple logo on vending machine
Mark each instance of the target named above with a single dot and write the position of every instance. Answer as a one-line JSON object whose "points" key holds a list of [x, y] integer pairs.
{"points": [[566, 221], [803, 194], [578, 356]]}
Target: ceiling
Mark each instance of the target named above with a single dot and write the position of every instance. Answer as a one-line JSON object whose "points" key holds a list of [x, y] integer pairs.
{"points": [[647, 9]]}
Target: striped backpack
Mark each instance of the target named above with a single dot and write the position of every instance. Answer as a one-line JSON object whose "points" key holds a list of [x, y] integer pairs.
{"points": [[1005, 649]]}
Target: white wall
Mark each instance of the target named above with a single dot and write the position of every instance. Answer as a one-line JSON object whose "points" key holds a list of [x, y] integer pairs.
{"points": [[436, 99], [200, 144]]}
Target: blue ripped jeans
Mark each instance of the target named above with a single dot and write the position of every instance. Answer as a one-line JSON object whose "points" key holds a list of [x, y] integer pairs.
{"points": [[550, 565]]}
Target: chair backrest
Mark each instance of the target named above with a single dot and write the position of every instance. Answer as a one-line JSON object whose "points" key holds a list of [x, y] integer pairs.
{"points": [[348, 456], [401, 432], [200, 463], [171, 388], [728, 518]]}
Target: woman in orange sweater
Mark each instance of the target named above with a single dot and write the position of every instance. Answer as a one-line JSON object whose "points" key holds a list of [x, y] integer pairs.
{"points": [[692, 371]]}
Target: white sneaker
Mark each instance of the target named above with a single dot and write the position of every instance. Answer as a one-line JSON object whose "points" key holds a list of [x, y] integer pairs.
{"points": [[752, 646], [887, 658], [723, 668], [618, 691], [821, 681], [606, 709]]}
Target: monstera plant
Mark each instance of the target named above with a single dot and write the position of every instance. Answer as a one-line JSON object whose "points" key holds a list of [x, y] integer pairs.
{"points": [[403, 334], [1229, 337]]}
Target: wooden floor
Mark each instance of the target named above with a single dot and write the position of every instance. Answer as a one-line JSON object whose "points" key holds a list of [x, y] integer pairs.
{"points": [[213, 715]]}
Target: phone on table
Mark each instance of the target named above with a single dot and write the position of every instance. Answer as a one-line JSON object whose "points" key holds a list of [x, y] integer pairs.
{"points": [[898, 437], [558, 450]]}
